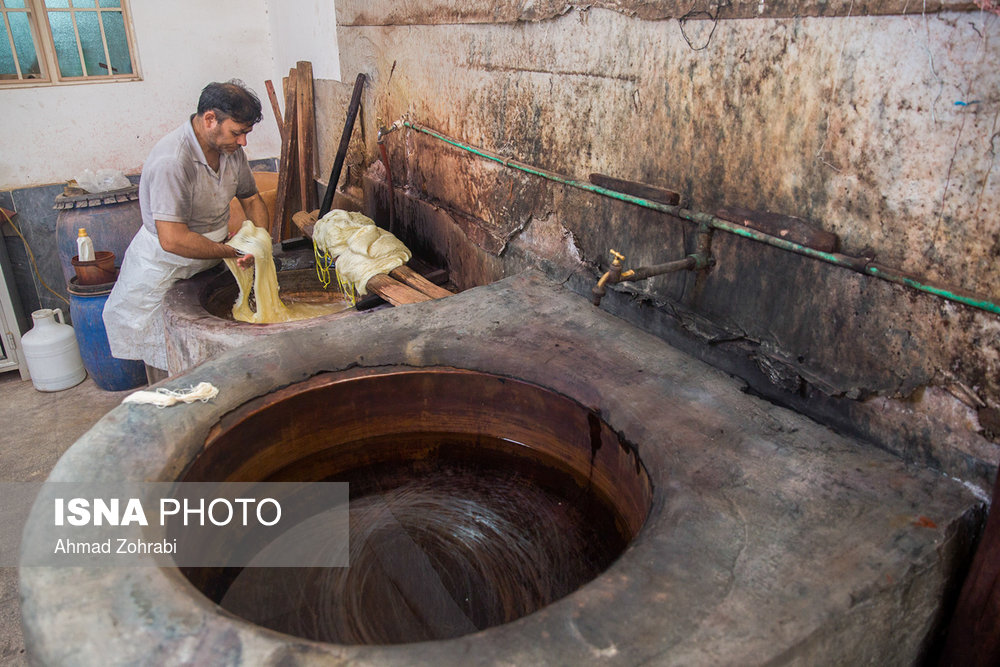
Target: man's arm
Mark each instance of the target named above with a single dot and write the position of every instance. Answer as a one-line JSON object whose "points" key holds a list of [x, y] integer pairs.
{"points": [[175, 237], [256, 211]]}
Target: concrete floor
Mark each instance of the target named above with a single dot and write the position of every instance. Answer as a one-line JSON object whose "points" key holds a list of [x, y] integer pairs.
{"points": [[35, 429]]}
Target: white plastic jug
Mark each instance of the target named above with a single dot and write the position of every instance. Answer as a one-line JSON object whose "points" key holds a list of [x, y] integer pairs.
{"points": [[52, 353]]}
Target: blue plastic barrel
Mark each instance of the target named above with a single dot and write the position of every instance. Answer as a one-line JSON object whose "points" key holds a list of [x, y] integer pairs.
{"points": [[86, 306]]}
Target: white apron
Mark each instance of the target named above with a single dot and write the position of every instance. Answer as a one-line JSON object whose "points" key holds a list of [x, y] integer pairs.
{"points": [[133, 315]]}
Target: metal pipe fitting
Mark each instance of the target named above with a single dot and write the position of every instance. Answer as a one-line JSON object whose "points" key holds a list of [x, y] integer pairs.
{"points": [[687, 264], [383, 132], [702, 259]]}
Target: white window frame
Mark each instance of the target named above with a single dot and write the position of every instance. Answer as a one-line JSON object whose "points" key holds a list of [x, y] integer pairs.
{"points": [[48, 61]]}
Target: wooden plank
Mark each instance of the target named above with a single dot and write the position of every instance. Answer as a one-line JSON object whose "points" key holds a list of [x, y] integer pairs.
{"points": [[394, 291], [785, 227], [292, 197], [286, 166], [636, 189], [274, 107], [306, 120], [408, 276], [305, 221]]}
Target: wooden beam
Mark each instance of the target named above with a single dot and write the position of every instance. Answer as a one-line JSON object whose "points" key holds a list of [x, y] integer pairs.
{"points": [[411, 278], [636, 189], [305, 221], [306, 121], [394, 291], [785, 227], [287, 167], [271, 95]]}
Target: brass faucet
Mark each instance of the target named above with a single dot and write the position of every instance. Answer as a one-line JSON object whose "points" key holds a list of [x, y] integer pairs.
{"points": [[612, 275], [694, 262]]}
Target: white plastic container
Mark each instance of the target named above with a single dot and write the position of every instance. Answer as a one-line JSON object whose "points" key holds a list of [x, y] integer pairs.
{"points": [[84, 246], [52, 353]]}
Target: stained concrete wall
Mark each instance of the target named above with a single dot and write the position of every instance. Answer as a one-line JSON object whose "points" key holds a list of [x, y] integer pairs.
{"points": [[879, 128]]}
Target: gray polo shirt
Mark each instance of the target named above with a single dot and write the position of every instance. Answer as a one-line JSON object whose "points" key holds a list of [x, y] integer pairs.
{"points": [[177, 185]]}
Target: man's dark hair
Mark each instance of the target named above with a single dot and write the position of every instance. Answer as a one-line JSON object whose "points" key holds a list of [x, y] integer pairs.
{"points": [[231, 100]]}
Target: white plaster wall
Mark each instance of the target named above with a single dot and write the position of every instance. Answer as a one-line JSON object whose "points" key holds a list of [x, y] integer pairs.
{"points": [[304, 30], [49, 134]]}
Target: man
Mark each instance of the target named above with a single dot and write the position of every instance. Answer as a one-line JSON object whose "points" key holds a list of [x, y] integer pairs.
{"points": [[187, 183]]}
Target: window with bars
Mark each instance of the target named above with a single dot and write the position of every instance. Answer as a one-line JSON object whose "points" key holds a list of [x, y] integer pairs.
{"points": [[66, 41]]}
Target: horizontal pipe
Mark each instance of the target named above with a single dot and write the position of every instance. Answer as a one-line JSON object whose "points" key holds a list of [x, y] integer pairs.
{"points": [[644, 272], [857, 264]]}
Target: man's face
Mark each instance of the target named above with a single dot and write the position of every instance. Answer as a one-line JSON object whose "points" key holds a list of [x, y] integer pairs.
{"points": [[226, 136]]}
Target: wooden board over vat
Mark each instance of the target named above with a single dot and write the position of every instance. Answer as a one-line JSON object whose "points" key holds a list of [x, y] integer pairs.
{"points": [[403, 285]]}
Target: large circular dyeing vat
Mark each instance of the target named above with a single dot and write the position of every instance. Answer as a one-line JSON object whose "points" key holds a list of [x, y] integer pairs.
{"points": [[475, 500], [515, 496], [754, 531]]}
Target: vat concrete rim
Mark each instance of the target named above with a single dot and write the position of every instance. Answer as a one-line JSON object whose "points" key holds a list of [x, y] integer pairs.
{"points": [[129, 443], [702, 584], [178, 599]]}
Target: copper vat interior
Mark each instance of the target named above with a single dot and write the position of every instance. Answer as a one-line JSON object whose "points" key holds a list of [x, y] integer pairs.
{"points": [[381, 429]]}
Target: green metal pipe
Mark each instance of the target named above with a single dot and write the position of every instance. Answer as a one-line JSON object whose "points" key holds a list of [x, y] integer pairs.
{"points": [[857, 264]]}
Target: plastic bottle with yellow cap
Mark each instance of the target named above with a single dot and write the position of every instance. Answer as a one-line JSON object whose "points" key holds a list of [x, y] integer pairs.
{"points": [[84, 246]]}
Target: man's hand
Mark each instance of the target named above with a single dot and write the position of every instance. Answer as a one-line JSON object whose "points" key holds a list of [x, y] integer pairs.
{"points": [[245, 262]]}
